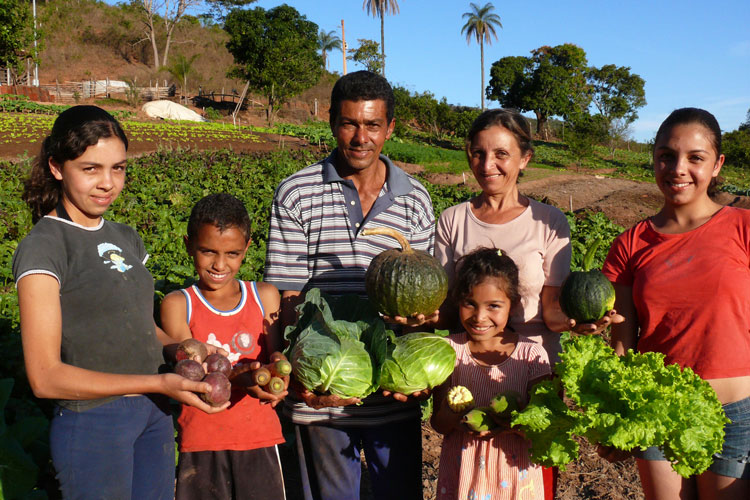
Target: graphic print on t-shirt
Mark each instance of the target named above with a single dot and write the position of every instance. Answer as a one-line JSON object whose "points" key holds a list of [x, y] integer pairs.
{"points": [[112, 254]]}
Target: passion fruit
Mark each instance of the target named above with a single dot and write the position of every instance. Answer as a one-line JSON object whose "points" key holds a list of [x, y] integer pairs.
{"points": [[221, 389], [190, 369], [218, 363]]}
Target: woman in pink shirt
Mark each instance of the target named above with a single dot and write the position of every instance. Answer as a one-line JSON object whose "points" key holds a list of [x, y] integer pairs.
{"points": [[535, 235]]}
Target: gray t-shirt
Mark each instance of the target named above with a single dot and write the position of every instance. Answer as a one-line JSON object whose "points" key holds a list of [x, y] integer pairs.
{"points": [[106, 295]]}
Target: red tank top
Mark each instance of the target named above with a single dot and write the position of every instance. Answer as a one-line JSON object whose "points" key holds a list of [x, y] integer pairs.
{"points": [[246, 424]]}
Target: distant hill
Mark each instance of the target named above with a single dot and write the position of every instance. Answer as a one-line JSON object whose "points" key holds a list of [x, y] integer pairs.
{"points": [[91, 40]]}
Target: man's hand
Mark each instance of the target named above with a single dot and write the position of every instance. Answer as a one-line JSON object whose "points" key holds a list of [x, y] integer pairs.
{"points": [[416, 320], [419, 395], [319, 401]]}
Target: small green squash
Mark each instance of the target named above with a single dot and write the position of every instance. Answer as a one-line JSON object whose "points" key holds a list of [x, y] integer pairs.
{"points": [[587, 295], [404, 281]]}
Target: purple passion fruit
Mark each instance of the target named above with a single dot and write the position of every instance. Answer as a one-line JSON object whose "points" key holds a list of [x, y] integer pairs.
{"points": [[218, 363], [191, 349], [190, 369], [221, 389]]}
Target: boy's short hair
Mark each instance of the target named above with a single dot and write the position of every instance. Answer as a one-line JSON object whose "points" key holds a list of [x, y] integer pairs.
{"points": [[221, 210], [361, 86]]}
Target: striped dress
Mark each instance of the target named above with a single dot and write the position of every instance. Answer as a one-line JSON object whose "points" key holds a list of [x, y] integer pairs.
{"points": [[496, 468]]}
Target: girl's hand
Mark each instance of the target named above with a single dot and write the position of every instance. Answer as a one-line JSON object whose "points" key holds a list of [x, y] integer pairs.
{"points": [[184, 390], [610, 318], [611, 454], [419, 395]]}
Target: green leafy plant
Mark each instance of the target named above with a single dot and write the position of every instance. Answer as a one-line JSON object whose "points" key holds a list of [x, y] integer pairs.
{"points": [[337, 356], [20, 441], [627, 402], [417, 361]]}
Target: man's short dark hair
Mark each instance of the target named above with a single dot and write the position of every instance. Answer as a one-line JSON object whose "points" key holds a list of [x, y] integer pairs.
{"points": [[361, 86], [221, 210]]}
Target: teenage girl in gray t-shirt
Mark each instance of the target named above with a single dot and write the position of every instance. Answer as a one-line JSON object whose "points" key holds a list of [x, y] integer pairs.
{"points": [[86, 304]]}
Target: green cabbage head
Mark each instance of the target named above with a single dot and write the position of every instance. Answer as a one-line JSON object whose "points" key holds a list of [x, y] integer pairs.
{"points": [[336, 356], [416, 361]]}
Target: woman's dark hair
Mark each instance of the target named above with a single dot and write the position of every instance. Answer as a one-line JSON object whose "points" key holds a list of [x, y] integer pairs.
{"points": [[361, 86], [74, 130], [221, 210], [508, 119], [480, 264], [687, 116]]}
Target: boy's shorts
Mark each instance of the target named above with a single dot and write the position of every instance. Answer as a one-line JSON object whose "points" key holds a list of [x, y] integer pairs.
{"points": [[231, 474], [734, 458]]}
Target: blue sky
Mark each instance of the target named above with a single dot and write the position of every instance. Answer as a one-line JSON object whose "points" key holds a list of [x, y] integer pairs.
{"points": [[689, 53]]}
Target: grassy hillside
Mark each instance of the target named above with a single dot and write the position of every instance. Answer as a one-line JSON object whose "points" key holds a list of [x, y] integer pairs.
{"points": [[87, 39]]}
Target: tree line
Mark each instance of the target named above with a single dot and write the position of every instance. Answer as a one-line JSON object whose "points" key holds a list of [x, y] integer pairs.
{"points": [[281, 54]]}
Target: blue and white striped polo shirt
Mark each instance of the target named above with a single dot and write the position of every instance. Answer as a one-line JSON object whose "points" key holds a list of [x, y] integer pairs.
{"points": [[314, 241], [316, 219]]}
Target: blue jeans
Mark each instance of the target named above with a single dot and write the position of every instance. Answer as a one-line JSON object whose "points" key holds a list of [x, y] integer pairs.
{"points": [[330, 460], [120, 450]]}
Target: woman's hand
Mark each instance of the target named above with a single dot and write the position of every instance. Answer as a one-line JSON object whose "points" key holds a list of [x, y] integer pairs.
{"points": [[184, 390], [418, 395], [610, 318]]}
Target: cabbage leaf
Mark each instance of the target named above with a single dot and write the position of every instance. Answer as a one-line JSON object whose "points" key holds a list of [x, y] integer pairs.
{"points": [[416, 361], [337, 356]]}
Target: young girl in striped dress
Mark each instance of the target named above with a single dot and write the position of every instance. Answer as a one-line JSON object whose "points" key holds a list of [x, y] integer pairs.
{"points": [[490, 358]]}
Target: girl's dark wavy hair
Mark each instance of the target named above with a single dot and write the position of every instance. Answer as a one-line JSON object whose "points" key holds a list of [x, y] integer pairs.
{"points": [[74, 130], [482, 263]]}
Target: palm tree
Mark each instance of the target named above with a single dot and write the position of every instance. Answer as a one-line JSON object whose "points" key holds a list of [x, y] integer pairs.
{"points": [[380, 8], [480, 24], [327, 41], [180, 69]]}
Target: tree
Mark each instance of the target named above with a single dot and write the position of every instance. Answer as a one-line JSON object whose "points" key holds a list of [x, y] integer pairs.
{"points": [[180, 69], [616, 94], [480, 25], [379, 8], [155, 13], [276, 51], [552, 82], [328, 41], [585, 132], [736, 145], [367, 55], [16, 34]]}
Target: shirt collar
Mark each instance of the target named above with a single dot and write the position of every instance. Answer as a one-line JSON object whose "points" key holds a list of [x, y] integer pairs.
{"points": [[397, 180]]}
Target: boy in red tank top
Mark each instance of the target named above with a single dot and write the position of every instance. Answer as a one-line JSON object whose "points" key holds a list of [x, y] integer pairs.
{"points": [[233, 456]]}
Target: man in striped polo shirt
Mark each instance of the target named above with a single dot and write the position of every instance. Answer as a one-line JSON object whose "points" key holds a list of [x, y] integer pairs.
{"points": [[315, 240]]}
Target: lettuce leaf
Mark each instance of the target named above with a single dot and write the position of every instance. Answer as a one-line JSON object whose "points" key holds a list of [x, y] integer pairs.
{"points": [[627, 402]]}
